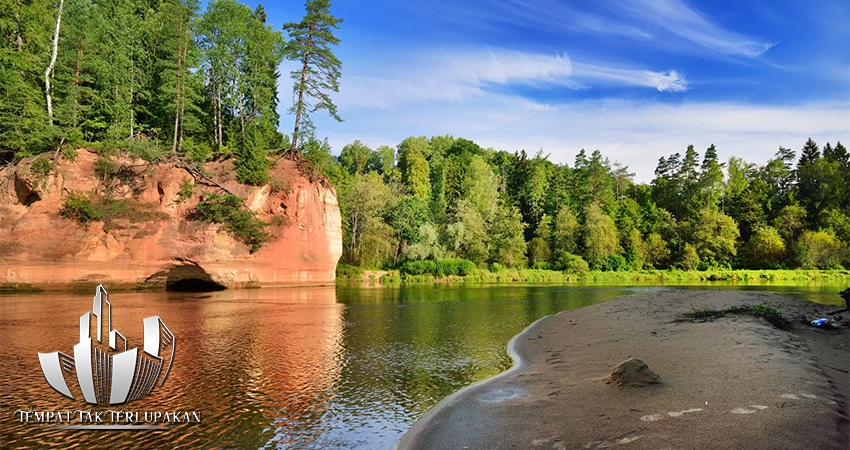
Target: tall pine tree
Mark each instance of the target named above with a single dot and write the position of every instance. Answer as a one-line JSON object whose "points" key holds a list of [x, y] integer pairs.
{"points": [[318, 76]]}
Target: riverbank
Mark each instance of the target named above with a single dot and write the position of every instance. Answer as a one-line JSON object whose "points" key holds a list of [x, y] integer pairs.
{"points": [[734, 381], [355, 275]]}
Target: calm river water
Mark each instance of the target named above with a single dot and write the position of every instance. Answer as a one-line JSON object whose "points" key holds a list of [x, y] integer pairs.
{"points": [[289, 368]]}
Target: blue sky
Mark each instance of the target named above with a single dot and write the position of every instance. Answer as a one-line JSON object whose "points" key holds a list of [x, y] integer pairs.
{"points": [[636, 79]]}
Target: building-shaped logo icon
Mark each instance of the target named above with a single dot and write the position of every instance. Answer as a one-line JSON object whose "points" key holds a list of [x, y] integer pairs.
{"points": [[110, 375]]}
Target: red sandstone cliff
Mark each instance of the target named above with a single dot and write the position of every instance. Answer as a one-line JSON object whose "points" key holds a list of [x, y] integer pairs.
{"points": [[41, 248]]}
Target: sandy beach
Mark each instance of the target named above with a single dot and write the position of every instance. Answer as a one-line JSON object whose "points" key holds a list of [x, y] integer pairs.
{"points": [[730, 382]]}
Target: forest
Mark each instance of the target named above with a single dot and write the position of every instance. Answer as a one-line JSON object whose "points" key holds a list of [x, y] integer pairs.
{"points": [[164, 79], [159, 78], [443, 198]]}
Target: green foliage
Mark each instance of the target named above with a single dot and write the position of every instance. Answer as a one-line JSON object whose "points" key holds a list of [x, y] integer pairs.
{"points": [[106, 169], [657, 251], [508, 244], [277, 185], [318, 161], [70, 154], [40, 169], [77, 206], [440, 268], [600, 236], [309, 45], [252, 167], [690, 258], [715, 236], [427, 246], [765, 246], [198, 152], [790, 222], [767, 312], [242, 225], [616, 263], [187, 190], [467, 236], [818, 249], [573, 263], [357, 158], [145, 149]]}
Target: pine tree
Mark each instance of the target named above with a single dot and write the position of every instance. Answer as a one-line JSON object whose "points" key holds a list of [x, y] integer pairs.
{"points": [[318, 76], [689, 182], [808, 180], [711, 178]]}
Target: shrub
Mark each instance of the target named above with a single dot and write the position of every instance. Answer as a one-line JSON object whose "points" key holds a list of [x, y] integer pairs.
{"points": [[105, 168], [461, 267], [41, 167], [419, 267], [198, 151], [145, 149], [616, 263], [70, 154], [441, 268], [278, 185], [77, 206], [573, 263], [242, 225], [280, 221], [495, 267], [187, 190], [818, 250]]}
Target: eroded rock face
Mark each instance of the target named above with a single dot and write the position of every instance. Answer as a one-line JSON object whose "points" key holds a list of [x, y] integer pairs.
{"points": [[633, 372], [40, 248]]}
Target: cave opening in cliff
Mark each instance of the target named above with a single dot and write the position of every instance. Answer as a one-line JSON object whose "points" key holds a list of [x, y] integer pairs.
{"points": [[186, 277], [194, 285]]}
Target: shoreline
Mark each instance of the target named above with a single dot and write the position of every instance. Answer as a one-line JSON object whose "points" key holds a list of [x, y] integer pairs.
{"points": [[792, 386], [391, 279], [517, 359], [347, 276]]}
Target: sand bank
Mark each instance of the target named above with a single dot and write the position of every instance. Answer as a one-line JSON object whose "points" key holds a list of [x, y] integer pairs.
{"points": [[734, 382]]}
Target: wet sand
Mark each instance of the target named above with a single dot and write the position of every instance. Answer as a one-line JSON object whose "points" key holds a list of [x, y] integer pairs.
{"points": [[734, 382]]}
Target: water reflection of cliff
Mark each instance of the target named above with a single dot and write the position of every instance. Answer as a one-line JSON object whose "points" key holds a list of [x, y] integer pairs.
{"points": [[275, 358]]}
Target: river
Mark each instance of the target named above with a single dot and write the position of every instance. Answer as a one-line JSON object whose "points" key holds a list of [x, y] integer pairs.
{"points": [[290, 368]]}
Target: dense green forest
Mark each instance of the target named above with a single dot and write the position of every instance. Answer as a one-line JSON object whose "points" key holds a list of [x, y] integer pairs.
{"points": [[161, 78], [443, 198], [165, 79]]}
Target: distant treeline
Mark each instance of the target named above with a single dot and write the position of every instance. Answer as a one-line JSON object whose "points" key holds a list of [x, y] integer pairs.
{"points": [[442, 198]]}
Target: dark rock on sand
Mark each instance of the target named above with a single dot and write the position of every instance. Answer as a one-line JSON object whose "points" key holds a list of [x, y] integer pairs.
{"points": [[633, 372]]}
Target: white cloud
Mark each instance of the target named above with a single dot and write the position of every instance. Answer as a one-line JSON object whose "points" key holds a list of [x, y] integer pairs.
{"points": [[671, 81], [460, 76], [680, 19]]}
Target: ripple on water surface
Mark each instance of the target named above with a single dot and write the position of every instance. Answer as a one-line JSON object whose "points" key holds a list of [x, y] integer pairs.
{"points": [[282, 368]]}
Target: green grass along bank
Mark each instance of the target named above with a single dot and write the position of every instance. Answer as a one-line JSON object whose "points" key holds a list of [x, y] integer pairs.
{"points": [[347, 275]]}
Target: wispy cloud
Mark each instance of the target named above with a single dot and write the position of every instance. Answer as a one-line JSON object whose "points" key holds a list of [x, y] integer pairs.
{"points": [[556, 15], [671, 81], [459, 76], [682, 20]]}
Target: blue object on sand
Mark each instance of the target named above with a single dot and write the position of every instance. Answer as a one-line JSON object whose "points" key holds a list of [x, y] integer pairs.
{"points": [[820, 322]]}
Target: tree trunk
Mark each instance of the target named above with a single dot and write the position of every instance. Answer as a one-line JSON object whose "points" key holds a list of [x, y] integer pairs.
{"points": [[178, 75], [218, 103], [49, 71], [74, 120], [183, 88], [132, 82], [241, 110], [299, 107]]}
